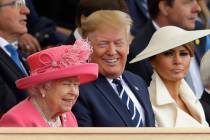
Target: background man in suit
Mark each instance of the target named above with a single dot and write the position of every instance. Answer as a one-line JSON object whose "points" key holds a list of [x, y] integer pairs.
{"points": [[12, 26], [205, 76], [181, 13], [101, 103]]}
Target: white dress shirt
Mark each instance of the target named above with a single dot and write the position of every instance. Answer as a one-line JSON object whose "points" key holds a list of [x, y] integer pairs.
{"points": [[3, 43]]}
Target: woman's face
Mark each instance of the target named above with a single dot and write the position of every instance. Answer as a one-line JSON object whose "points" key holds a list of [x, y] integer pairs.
{"points": [[62, 94], [173, 64]]}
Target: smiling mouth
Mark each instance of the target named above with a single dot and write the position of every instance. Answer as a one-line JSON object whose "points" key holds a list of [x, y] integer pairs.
{"points": [[68, 100], [23, 22], [192, 18], [111, 61]]}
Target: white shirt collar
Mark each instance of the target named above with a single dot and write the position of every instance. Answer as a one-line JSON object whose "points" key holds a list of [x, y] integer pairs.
{"points": [[208, 91], [77, 34], [4, 42], [111, 79], [155, 25]]}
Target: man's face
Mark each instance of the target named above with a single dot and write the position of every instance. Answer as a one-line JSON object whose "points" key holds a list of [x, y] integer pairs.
{"points": [[110, 50], [13, 19], [183, 13]]}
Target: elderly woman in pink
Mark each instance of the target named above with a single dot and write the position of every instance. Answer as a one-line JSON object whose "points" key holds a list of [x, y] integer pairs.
{"points": [[53, 86]]}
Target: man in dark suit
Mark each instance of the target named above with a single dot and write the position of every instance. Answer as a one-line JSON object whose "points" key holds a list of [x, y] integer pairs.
{"points": [[12, 26], [205, 76], [101, 103], [165, 13]]}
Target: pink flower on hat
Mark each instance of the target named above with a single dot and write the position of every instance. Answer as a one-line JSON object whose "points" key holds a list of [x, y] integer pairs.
{"points": [[71, 55], [79, 53]]}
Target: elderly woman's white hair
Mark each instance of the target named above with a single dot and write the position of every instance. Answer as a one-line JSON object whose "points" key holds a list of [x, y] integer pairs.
{"points": [[204, 69]]}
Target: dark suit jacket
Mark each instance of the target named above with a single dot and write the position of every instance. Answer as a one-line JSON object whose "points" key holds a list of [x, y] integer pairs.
{"points": [[9, 73], [140, 42], [138, 14], [99, 106], [200, 48], [70, 40], [205, 101]]}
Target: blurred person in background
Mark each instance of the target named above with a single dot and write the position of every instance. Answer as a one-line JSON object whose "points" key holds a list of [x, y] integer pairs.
{"points": [[46, 30], [13, 15], [205, 76]]}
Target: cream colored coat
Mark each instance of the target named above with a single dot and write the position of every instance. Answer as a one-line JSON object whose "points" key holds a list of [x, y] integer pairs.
{"points": [[167, 112]]}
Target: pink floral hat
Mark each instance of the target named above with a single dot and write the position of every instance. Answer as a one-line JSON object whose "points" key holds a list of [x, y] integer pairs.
{"points": [[60, 62]]}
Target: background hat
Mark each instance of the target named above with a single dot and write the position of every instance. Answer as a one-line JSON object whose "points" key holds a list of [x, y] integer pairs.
{"points": [[60, 62], [167, 38]]}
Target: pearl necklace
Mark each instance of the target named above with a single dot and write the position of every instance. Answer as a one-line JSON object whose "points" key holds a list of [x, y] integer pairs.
{"points": [[56, 123]]}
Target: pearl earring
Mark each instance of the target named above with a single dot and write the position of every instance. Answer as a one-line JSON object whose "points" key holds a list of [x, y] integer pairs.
{"points": [[43, 95]]}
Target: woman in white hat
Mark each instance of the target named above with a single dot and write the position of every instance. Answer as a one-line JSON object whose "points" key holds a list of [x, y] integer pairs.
{"points": [[174, 103], [53, 86]]}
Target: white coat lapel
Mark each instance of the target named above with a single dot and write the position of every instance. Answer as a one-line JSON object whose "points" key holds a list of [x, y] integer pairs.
{"points": [[162, 103], [167, 113], [192, 102], [158, 92], [184, 120]]}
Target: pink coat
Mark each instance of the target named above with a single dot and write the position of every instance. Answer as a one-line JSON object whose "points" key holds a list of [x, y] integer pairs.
{"points": [[25, 114]]}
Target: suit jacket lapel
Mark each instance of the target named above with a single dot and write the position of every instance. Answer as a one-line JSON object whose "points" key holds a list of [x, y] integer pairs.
{"points": [[108, 92], [194, 108], [139, 93]]}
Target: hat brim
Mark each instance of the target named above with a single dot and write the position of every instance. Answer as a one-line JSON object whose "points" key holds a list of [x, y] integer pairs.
{"points": [[161, 42], [86, 72]]}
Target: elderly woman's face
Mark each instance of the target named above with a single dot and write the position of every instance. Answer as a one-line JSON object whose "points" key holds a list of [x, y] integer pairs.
{"points": [[62, 94], [172, 65]]}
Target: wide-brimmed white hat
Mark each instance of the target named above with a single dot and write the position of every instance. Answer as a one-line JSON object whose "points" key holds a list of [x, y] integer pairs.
{"points": [[167, 38]]}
